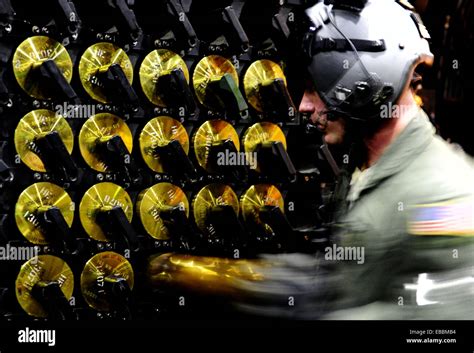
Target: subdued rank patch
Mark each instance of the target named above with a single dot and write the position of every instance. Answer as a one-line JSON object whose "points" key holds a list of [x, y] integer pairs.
{"points": [[451, 218]]}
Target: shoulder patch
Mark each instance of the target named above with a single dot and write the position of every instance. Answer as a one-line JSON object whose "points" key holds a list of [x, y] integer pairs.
{"points": [[451, 218]]}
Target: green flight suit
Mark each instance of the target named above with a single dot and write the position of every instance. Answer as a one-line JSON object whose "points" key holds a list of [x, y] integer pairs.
{"points": [[412, 212], [406, 240]]}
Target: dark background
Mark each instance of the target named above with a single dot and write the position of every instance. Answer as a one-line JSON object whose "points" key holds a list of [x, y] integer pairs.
{"points": [[447, 86]]}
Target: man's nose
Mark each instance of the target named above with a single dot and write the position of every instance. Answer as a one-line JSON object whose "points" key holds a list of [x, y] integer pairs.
{"points": [[307, 106]]}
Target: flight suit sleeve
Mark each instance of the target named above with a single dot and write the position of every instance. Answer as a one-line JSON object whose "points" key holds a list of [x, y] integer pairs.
{"points": [[440, 245], [432, 277]]}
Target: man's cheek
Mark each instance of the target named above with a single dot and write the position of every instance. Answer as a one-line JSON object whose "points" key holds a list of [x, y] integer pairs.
{"points": [[333, 136], [329, 138]]}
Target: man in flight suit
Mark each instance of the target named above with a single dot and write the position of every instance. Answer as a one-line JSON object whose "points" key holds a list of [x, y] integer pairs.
{"points": [[403, 246], [403, 241]]}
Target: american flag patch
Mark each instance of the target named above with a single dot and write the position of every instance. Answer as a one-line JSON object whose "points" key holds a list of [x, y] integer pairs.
{"points": [[455, 217]]}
